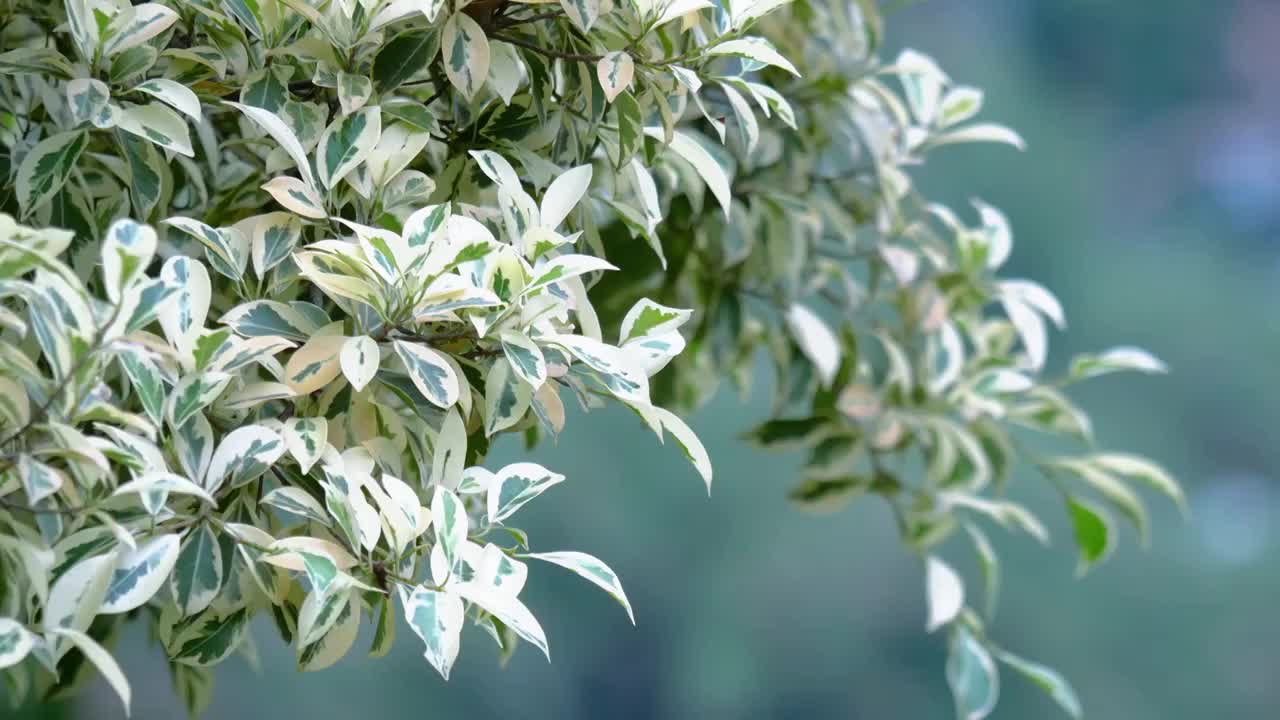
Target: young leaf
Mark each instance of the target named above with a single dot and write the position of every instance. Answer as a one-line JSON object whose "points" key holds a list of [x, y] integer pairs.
{"points": [[359, 360], [306, 439], [816, 340], [563, 195], [944, 591], [615, 72]]}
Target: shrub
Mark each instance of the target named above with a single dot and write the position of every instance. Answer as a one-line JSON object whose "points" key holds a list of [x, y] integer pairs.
{"points": [[276, 273]]}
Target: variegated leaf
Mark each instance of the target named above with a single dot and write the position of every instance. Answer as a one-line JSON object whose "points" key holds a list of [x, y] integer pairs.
{"points": [[466, 53]]}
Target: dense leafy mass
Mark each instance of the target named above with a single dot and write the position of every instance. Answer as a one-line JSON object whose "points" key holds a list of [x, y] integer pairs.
{"points": [[274, 274]]}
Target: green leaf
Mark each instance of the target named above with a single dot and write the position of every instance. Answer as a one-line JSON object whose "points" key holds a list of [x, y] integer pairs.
{"points": [[403, 57], [828, 494], [45, 169], [1094, 536], [789, 433], [132, 63], [197, 576], [989, 562], [359, 360]]}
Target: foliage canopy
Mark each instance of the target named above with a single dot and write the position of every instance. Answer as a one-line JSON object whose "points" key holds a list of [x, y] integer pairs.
{"points": [[274, 274]]}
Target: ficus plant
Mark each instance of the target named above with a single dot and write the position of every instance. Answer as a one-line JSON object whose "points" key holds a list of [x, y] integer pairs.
{"points": [[276, 274]]}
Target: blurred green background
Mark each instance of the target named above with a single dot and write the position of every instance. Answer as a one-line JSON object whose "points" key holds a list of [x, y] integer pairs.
{"points": [[1149, 200]]}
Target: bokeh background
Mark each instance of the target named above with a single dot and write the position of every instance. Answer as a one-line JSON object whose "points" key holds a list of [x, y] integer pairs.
{"points": [[1149, 200]]}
